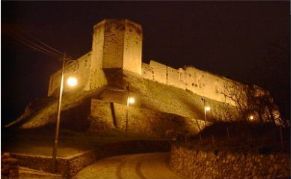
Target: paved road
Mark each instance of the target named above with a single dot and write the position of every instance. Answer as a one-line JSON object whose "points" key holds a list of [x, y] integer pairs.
{"points": [[135, 166]]}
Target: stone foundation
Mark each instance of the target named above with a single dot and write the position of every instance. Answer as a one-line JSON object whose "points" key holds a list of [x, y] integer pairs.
{"points": [[194, 163]]}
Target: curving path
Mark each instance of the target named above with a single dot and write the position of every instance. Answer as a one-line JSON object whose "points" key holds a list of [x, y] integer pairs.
{"points": [[134, 166]]}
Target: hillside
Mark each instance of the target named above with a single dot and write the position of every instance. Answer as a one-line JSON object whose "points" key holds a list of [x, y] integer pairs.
{"points": [[153, 101]]}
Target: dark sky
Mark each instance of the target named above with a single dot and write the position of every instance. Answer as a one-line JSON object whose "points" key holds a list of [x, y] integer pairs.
{"points": [[245, 41]]}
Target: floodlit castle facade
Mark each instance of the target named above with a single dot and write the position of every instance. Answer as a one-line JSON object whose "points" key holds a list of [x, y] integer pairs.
{"points": [[117, 44]]}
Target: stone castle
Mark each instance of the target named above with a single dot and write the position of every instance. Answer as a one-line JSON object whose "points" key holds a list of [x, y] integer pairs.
{"points": [[117, 44]]}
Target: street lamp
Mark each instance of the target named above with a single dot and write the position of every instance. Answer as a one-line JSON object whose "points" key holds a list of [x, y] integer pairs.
{"points": [[130, 101], [251, 117], [206, 109], [71, 82]]}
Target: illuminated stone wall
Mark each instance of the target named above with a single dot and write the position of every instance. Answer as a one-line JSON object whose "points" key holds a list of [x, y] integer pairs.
{"points": [[95, 73], [122, 45], [113, 44], [199, 82], [142, 121], [132, 54], [147, 71], [209, 85], [117, 44]]}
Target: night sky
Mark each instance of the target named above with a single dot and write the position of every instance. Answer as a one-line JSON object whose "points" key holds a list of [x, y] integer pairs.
{"points": [[245, 41]]}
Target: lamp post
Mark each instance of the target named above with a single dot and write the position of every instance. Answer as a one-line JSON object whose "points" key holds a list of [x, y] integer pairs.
{"points": [[71, 82], [206, 109], [130, 100]]}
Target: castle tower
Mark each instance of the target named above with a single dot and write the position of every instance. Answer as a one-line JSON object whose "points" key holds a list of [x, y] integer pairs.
{"points": [[117, 44]]}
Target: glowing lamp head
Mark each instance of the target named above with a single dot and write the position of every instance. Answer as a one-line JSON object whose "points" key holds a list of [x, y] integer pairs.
{"points": [[251, 117], [207, 108], [72, 81], [130, 100]]}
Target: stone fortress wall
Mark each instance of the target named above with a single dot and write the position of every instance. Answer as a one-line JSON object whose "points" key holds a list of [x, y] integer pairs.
{"points": [[132, 53], [122, 44], [117, 44], [197, 81]]}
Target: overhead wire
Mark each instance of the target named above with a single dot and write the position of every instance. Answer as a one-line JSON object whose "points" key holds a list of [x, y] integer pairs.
{"points": [[34, 43], [35, 46], [46, 45], [29, 43]]}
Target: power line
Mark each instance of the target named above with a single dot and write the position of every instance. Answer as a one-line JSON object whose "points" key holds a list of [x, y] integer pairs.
{"points": [[34, 46], [46, 45], [33, 43], [29, 43]]}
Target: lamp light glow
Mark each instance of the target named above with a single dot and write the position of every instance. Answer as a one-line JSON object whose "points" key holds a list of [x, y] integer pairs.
{"points": [[72, 81], [207, 108], [130, 100]]}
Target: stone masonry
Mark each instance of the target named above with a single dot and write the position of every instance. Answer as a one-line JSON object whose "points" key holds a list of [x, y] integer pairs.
{"points": [[117, 44], [195, 163]]}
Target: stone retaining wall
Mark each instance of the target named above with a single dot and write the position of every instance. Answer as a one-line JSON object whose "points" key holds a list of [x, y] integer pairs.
{"points": [[67, 166], [194, 163], [71, 165], [140, 121]]}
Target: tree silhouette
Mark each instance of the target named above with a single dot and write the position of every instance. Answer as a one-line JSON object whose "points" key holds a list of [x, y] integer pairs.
{"points": [[251, 100]]}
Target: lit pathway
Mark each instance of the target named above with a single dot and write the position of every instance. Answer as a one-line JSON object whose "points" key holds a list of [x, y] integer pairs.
{"points": [[135, 166]]}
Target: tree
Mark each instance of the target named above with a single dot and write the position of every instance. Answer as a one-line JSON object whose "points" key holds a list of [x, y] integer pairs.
{"points": [[251, 100]]}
